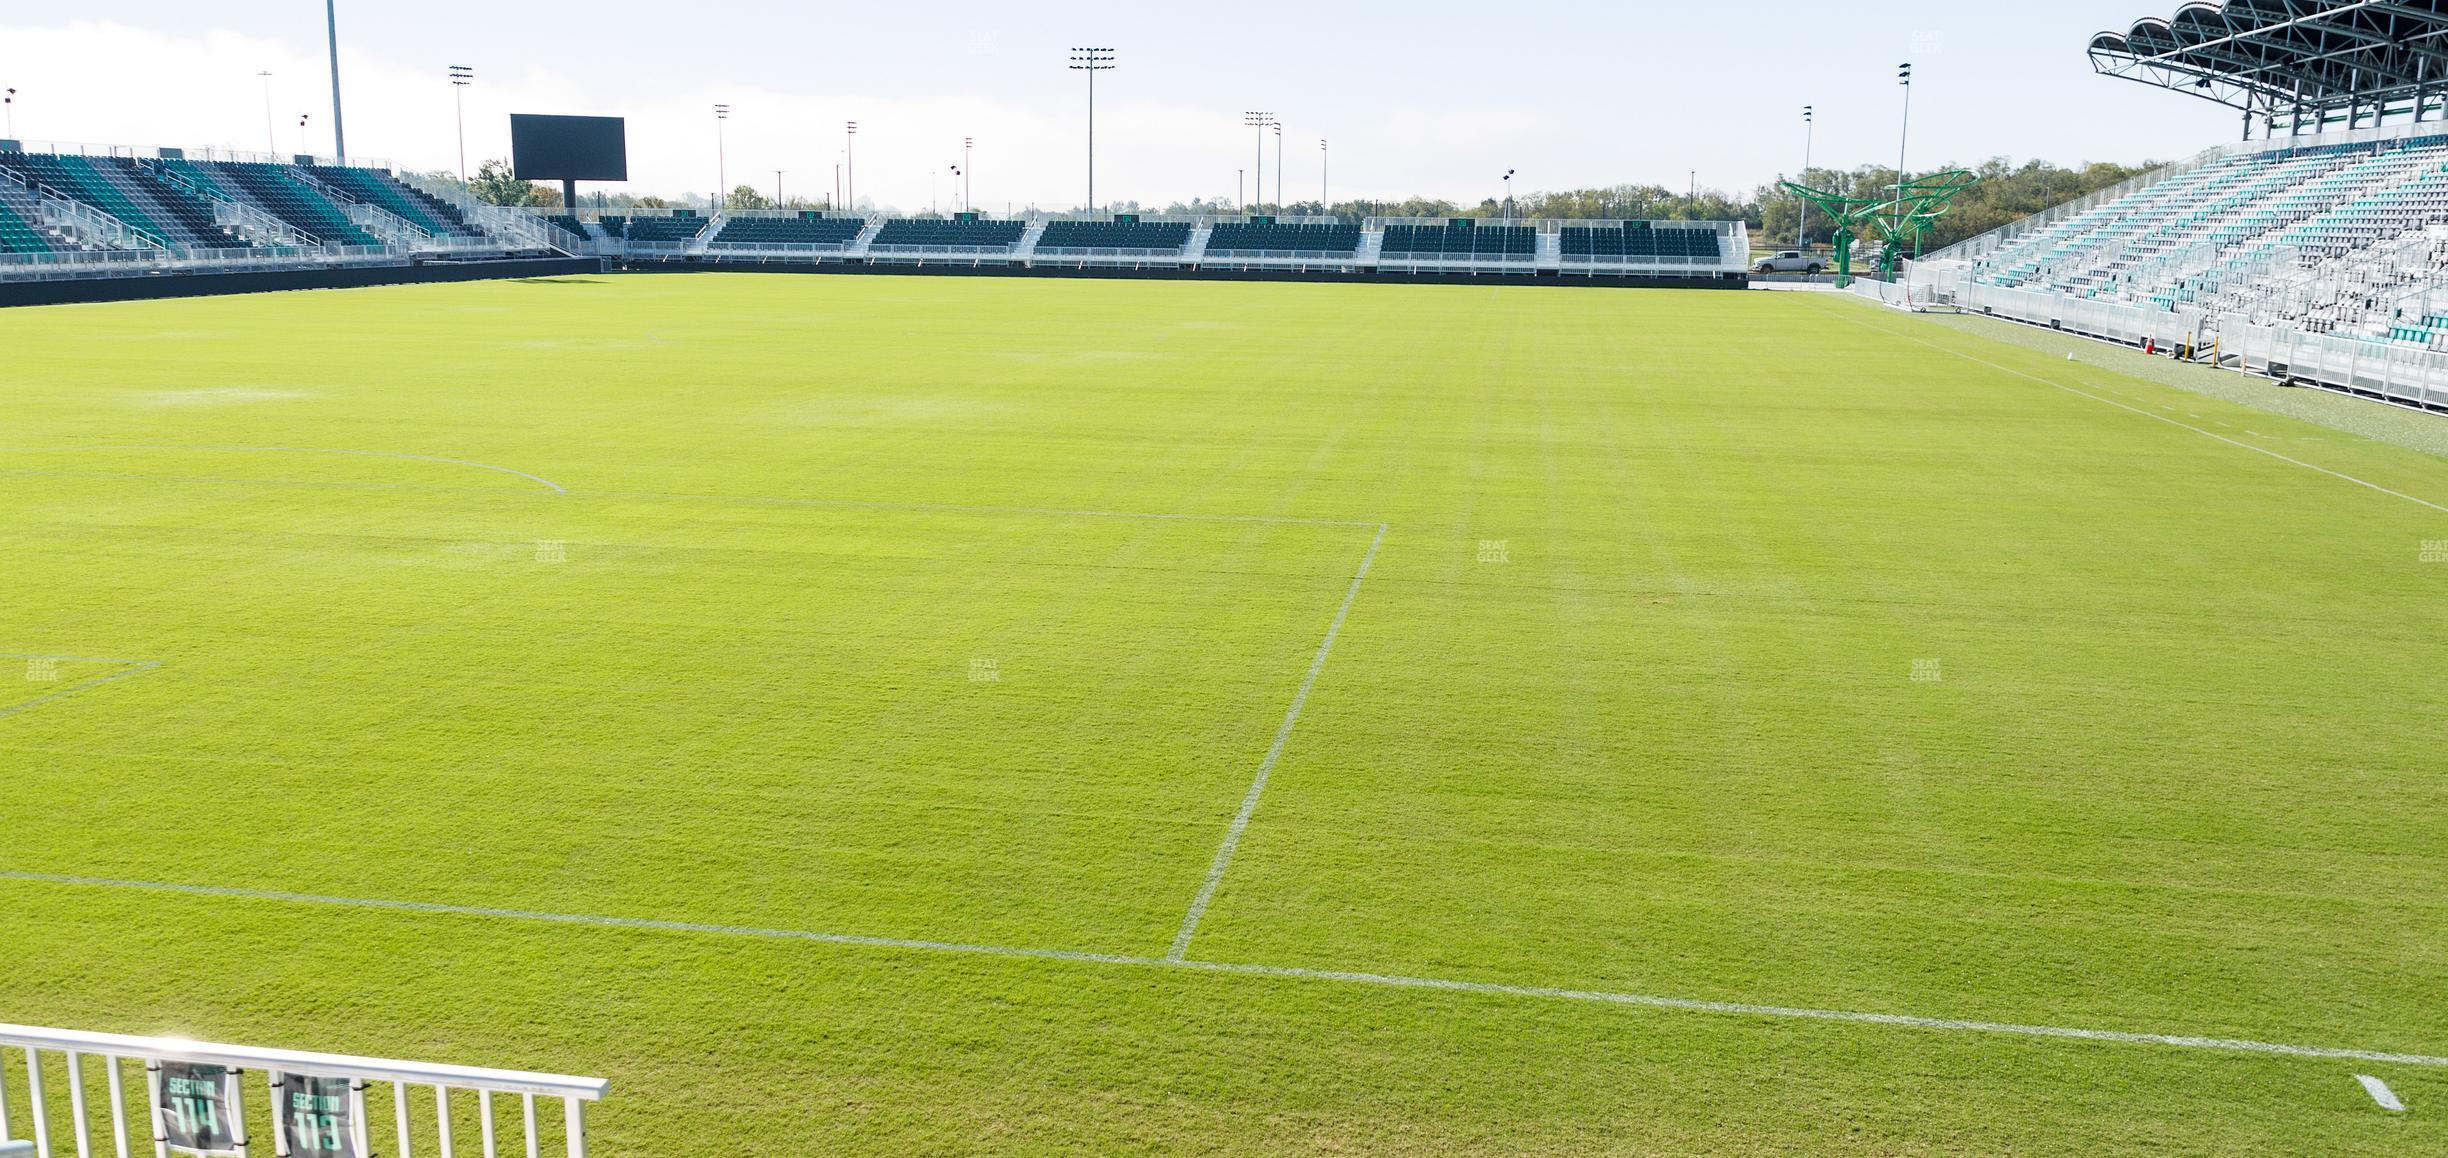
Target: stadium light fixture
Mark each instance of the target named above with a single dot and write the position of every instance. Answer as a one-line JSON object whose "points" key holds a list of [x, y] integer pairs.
{"points": [[1809, 128], [1259, 121], [967, 143], [850, 165], [722, 173], [1092, 61], [461, 76]]}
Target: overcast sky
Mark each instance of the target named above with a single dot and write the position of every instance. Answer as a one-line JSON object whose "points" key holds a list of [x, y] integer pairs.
{"points": [[1438, 101]]}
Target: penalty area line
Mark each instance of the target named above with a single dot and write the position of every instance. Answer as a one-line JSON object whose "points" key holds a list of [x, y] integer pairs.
{"points": [[133, 667], [1281, 972], [1266, 767]]}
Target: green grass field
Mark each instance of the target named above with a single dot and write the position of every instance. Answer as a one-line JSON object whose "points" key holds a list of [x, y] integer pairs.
{"points": [[1764, 649]]}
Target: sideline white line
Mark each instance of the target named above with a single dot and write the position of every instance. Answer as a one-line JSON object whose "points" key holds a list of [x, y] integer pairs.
{"points": [[1383, 980], [2147, 414], [2381, 1093], [1283, 734], [135, 667], [549, 484]]}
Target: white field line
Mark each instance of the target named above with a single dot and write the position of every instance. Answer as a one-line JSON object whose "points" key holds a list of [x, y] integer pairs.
{"points": [[1382, 980], [2381, 1093], [977, 509], [1283, 734], [134, 667], [548, 484], [2161, 417]]}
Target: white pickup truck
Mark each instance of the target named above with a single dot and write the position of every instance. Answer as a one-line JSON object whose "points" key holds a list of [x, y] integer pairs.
{"points": [[1790, 261]]}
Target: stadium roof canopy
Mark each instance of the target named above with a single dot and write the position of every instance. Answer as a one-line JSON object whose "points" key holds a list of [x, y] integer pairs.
{"points": [[2309, 64]]}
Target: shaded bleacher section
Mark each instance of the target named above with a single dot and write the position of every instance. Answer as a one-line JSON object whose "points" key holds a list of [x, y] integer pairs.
{"points": [[1639, 242], [961, 235], [381, 190], [1459, 241], [150, 206], [800, 230], [275, 190], [1255, 238], [1149, 237]]}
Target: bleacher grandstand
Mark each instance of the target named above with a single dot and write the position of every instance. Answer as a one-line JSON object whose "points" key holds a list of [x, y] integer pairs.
{"points": [[963, 235], [677, 228], [1641, 243], [2309, 254], [787, 232], [1271, 238], [1459, 240], [1129, 237]]}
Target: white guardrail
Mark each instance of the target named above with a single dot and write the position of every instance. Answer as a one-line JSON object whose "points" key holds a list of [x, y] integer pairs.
{"points": [[195, 1101]]}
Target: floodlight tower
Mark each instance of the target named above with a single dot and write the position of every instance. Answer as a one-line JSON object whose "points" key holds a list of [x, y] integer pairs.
{"points": [[1259, 121], [1802, 227], [1092, 61], [1904, 78], [1279, 166], [271, 134], [331, 28], [721, 170], [1325, 205], [460, 77], [850, 164], [966, 202]]}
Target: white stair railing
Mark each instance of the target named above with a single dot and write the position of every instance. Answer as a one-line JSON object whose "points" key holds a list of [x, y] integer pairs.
{"points": [[191, 1095], [510, 228]]}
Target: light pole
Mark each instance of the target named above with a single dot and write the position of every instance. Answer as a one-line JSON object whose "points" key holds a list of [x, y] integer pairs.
{"points": [[302, 117], [1325, 205], [850, 164], [1092, 61], [1259, 121], [1903, 77], [1802, 227], [966, 203], [271, 134], [460, 77], [778, 187], [722, 171], [957, 174], [1508, 180], [1691, 200], [1279, 201], [331, 29], [1241, 189]]}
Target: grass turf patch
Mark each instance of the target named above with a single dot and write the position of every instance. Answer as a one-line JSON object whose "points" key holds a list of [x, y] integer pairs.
{"points": [[1754, 648]]}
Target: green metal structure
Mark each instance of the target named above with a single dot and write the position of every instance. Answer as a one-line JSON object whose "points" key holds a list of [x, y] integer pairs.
{"points": [[1902, 220]]}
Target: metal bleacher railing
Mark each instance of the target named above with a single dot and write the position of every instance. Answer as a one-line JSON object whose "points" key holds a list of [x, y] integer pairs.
{"points": [[128, 1104]]}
